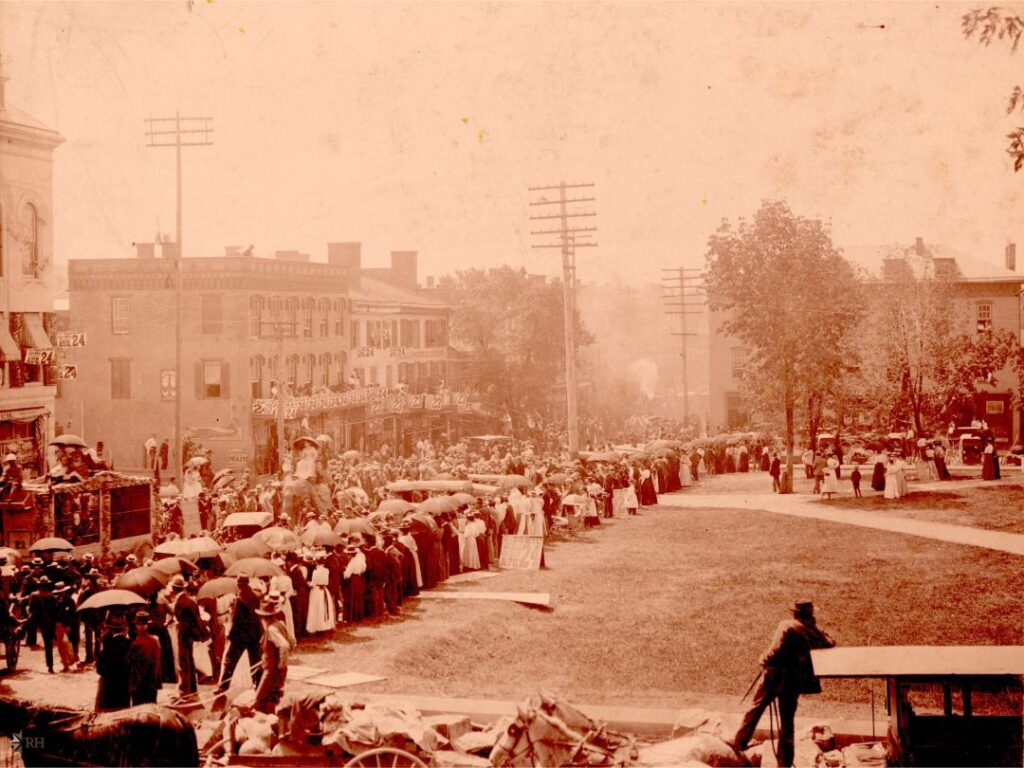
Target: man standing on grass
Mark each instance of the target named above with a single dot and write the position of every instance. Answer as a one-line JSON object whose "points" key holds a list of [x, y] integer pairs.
{"points": [[786, 673]]}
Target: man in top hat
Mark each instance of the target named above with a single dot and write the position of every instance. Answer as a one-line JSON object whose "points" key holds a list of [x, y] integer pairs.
{"points": [[278, 644], [787, 672], [112, 692], [145, 672]]}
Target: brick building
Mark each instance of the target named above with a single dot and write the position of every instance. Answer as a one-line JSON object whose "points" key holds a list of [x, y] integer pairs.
{"points": [[27, 285], [246, 324]]}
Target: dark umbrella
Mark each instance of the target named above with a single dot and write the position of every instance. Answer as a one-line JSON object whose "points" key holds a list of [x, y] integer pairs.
{"points": [[52, 544], [111, 598], [142, 581], [68, 440]]}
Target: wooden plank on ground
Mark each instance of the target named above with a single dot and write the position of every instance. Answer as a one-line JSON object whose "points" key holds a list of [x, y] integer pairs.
{"points": [[344, 679], [471, 576], [301, 671], [530, 598]]}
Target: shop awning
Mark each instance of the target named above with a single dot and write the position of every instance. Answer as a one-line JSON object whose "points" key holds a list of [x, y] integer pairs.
{"points": [[35, 335], [9, 350]]}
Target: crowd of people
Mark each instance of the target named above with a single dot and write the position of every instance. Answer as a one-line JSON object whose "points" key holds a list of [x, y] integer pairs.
{"points": [[333, 557]]}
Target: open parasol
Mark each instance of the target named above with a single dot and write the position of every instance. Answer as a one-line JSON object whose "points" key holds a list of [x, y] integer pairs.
{"points": [[111, 598], [559, 478], [320, 538], [197, 461], [142, 581], [214, 588], [244, 548], [324, 439], [67, 440], [223, 477], [395, 505], [462, 499], [438, 504], [173, 565], [278, 539], [193, 549], [254, 567], [352, 525], [351, 455], [52, 544]]}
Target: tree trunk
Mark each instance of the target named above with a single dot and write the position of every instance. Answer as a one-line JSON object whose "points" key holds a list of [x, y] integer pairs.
{"points": [[787, 487]]}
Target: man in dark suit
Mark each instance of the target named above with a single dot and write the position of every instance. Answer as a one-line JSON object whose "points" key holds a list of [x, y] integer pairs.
{"points": [[244, 637], [190, 630], [43, 612], [145, 676], [111, 666], [787, 673], [376, 576]]}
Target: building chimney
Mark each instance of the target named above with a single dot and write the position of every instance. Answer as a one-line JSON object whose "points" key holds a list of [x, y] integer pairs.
{"points": [[919, 246], [349, 256], [430, 281], [1011, 257], [145, 250], [169, 250], [291, 256], [404, 268]]}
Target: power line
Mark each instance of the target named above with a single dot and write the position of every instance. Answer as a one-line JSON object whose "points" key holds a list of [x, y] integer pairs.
{"points": [[679, 285], [567, 239], [178, 132]]}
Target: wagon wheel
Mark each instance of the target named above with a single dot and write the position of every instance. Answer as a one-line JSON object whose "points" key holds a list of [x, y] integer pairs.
{"points": [[13, 650], [386, 757]]}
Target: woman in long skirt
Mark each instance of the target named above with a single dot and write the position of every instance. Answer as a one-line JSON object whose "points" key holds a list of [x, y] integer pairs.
{"points": [[685, 476], [878, 475], [322, 615], [470, 551], [631, 502], [892, 484]]}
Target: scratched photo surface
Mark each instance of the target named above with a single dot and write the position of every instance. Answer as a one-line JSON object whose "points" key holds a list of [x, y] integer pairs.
{"points": [[434, 134]]}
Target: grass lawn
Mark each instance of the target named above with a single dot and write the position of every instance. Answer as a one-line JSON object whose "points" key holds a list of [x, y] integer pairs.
{"points": [[673, 608], [993, 507]]}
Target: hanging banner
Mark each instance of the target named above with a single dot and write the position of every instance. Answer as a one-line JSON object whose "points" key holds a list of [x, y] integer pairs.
{"points": [[67, 371], [39, 356]]}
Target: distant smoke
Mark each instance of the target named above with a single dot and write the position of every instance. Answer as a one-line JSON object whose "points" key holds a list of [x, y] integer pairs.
{"points": [[644, 373]]}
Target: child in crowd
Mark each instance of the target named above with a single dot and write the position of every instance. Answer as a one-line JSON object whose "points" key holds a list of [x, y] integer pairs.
{"points": [[855, 479]]}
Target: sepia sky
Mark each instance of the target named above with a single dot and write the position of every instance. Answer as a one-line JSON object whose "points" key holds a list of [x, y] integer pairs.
{"points": [[420, 126]]}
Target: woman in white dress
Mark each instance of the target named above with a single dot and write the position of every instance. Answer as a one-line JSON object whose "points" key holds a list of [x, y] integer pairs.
{"points": [[322, 615], [901, 476], [192, 485], [631, 502], [685, 475], [892, 486], [283, 585], [470, 552], [830, 484]]}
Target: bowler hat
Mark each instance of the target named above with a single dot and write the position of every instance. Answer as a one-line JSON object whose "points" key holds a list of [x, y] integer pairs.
{"points": [[270, 606], [177, 583], [142, 617], [803, 608]]}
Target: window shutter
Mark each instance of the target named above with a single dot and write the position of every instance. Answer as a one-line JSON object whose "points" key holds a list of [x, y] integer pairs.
{"points": [[225, 380], [200, 383]]}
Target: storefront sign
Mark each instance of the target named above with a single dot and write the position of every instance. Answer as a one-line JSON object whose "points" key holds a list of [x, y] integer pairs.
{"points": [[39, 356], [67, 371], [380, 401], [68, 339], [238, 458], [521, 553]]}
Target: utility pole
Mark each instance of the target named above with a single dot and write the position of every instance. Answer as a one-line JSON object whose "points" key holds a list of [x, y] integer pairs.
{"points": [[568, 239], [178, 132], [679, 286], [281, 331]]}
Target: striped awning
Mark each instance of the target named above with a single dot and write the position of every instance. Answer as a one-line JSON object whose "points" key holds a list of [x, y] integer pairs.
{"points": [[35, 334], [9, 350]]}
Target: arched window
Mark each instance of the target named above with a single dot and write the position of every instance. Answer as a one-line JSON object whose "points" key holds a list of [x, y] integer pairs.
{"points": [[291, 312], [309, 366], [293, 370], [31, 264], [325, 316], [307, 318], [275, 307], [339, 317]]}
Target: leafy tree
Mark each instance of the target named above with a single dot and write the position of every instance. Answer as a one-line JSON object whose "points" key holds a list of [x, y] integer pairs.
{"points": [[512, 323], [793, 300], [924, 367], [993, 24]]}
